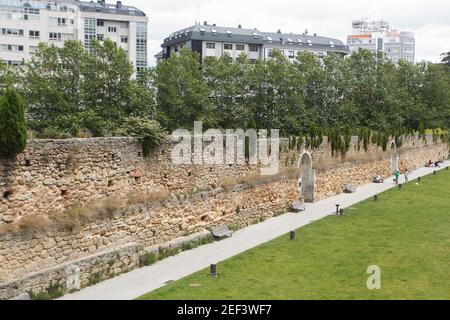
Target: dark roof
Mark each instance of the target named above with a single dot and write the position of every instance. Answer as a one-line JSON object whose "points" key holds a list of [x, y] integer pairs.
{"points": [[252, 36], [103, 7]]}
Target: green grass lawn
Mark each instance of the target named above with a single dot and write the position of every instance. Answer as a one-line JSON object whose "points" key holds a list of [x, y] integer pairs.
{"points": [[406, 233]]}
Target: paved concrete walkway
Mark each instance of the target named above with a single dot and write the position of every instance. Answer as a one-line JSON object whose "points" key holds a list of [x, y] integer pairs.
{"points": [[140, 281]]}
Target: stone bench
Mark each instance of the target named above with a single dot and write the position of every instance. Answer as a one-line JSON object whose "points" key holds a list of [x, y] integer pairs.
{"points": [[221, 232], [350, 188]]}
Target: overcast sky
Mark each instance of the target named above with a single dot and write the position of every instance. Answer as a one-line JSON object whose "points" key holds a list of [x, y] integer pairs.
{"points": [[429, 20]]}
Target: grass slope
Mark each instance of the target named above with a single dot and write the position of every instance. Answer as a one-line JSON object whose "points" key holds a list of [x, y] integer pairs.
{"points": [[406, 233]]}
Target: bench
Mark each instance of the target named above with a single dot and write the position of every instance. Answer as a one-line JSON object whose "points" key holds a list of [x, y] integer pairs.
{"points": [[349, 188], [298, 206], [378, 179], [221, 232]]}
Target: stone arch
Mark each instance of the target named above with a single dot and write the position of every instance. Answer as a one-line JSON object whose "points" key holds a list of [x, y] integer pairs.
{"points": [[306, 181], [394, 156]]}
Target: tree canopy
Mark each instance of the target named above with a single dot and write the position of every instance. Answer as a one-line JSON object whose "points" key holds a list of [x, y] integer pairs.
{"points": [[75, 92]]}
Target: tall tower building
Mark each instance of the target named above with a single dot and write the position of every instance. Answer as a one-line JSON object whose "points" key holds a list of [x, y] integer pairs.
{"points": [[379, 36]]}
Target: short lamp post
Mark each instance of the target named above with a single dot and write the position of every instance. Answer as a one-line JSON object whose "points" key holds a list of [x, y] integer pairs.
{"points": [[293, 236], [214, 271], [375, 197], [337, 209]]}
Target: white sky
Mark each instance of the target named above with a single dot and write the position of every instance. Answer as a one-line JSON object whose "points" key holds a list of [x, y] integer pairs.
{"points": [[429, 20]]}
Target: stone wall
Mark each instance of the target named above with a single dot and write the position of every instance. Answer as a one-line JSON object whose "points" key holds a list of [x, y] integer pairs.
{"points": [[56, 175]]}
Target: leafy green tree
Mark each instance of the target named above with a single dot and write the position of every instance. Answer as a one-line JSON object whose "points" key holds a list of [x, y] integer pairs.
{"points": [[8, 77], [75, 92], [149, 132], [13, 130], [274, 97], [182, 92], [446, 58], [228, 87], [52, 86]]}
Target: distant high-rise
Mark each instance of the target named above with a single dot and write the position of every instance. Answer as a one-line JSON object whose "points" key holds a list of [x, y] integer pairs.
{"points": [[379, 36], [24, 24]]}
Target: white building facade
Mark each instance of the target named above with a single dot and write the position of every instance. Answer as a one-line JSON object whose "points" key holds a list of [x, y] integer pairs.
{"points": [[379, 36], [214, 41], [26, 23]]}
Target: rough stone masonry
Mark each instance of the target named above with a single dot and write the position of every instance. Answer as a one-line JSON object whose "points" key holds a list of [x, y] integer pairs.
{"points": [[147, 202]]}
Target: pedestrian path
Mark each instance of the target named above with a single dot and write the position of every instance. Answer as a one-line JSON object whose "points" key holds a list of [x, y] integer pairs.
{"points": [[140, 281]]}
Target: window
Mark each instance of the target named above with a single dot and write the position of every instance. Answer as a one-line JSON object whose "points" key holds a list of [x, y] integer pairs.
{"points": [[124, 24], [291, 54], [57, 36], [214, 32], [255, 35], [228, 46], [141, 46], [34, 34], [228, 33], [253, 48], [100, 37], [12, 32], [240, 47], [89, 32], [124, 39], [10, 47], [100, 23], [32, 49], [54, 35], [269, 52], [269, 39], [112, 29], [210, 45]]}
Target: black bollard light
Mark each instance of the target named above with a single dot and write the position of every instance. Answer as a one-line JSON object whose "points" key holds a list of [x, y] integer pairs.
{"points": [[293, 236], [446, 168], [214, 270], [400, 186], [434, 172], [337, 209], [419, 179], [375, 197], [341, 212]]}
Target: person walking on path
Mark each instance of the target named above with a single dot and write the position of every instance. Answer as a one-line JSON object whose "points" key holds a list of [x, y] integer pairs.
{"points": [[407, 176], [397, 177]]}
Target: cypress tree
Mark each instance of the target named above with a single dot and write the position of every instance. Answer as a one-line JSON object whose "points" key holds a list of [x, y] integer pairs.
{"points": [[13, 129]]}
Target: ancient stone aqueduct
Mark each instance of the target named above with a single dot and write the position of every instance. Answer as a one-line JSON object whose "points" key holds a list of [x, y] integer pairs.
{"points": [[137, 204]]}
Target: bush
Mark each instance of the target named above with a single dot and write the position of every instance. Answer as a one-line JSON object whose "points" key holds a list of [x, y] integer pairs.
{"points": [[149, 132], [13, 129], [53, 292]]}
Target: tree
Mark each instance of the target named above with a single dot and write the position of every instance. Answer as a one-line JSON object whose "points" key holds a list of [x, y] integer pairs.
{"points": [[72, 91], [227, 83], [13, 131], [52, 86], [446, 58], [182, 93]]}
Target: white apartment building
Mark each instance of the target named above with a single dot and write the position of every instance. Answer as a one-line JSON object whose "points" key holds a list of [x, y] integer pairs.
{"points": [[379, 36], [26, 23], [214, 41]]}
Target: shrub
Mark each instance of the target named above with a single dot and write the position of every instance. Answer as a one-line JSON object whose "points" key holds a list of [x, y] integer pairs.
{"points": [[13, 129], [53, 292], [149, 132], [148, 259]]}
